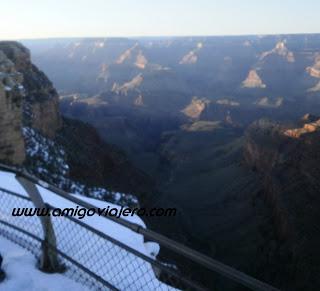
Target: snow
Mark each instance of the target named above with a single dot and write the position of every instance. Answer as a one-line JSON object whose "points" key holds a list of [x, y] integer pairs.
{"points": [[102, 224], [22, 274], [45, 151], [123, 269], [49, 162]]}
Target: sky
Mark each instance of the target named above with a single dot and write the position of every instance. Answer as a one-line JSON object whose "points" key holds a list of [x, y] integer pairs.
{"points": [[22, 19]]}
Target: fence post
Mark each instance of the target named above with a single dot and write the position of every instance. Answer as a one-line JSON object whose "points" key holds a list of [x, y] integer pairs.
{"points": [[49, 258]]}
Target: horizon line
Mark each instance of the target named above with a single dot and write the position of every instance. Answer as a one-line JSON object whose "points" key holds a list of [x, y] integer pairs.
{"points": [[162, 36]]}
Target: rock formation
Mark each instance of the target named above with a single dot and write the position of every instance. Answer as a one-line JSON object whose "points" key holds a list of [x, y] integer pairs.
{"points": [[192, 56], [27, 99], [128, 86], [281, 50], [267, 102], [316, 88], [307, 128], [290, 176], [12, 147], [38, 93], [196, 107], [141, 60], [126, 55], [314, 70], [253, 80]]}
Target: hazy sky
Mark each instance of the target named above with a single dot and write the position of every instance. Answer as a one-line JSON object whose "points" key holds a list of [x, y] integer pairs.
{"points": [[62, 18]]}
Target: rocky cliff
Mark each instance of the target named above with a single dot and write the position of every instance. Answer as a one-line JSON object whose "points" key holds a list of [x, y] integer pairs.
{"points": [[139, 95], [288, 165], [36, 90], [27, 98], [12, 147], [253, 80], [34, 135]]}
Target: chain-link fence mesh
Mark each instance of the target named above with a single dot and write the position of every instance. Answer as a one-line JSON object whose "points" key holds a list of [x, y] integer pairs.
{"points": [[98, 261], [87, 255], [110, 259], [10, 226], [27, 232]]}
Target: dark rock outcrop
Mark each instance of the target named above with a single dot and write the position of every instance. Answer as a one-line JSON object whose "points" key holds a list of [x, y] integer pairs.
{"points": [[27, 98], [12, 148], [38, 90], [93, 162], [289, 170]]}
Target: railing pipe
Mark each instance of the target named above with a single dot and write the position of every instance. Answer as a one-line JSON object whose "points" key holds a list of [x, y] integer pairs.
{"points": [[195, 256]]}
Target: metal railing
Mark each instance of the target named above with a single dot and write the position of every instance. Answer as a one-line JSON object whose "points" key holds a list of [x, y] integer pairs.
{"points": [[100, 261]]}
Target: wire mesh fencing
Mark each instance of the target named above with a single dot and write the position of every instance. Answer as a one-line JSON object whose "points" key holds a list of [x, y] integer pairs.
{"points": [[100, 259], [88, 256], [25, 231], [111, 260]]}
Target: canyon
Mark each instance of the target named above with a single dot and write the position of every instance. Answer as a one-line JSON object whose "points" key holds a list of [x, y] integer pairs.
{"points": [[225, 129], [35, 135]]}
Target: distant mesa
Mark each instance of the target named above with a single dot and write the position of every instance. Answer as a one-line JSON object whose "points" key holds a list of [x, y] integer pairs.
{"points": [[76, 49], [196, 107], [316, 88], [192, 56], [253, 81], [307, 128], [281, 50], [126, 55], [141, 60], [128, 86], [136, 55], [267, 102], [314, 71]]}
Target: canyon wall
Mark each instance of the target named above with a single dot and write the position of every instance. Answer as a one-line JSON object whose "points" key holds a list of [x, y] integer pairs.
{"points": [[27, 98], [287, 160]]}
